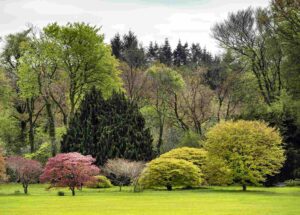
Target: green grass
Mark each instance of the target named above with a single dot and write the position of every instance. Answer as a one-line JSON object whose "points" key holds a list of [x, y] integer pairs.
{"points": [[212, 201]]}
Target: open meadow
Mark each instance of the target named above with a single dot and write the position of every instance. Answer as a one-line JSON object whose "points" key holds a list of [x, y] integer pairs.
{"points": [[208, 201]]}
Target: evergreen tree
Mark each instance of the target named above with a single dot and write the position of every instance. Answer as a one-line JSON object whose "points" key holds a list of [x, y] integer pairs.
{"points": [[106, 129], [181, 54], [153, 52], [116, 46], [165, 53], [195, 54]]}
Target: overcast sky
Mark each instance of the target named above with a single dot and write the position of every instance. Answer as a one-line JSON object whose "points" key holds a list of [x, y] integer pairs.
{"points": [[151, 20]]}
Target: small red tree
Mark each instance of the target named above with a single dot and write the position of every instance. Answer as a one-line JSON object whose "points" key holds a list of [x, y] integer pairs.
{"points": [[27, 171], [69, 170], [2, 166]]}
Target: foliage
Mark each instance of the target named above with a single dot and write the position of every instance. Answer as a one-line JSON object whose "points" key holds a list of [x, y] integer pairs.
{"points": [[190, 139], [251, 149], [27, 171], [69, 170], [87, 61], [108, 129], [194, 155], [164, 82], [123, 172], [216, 172], [170, 172], [42, 154], [99, 181]]}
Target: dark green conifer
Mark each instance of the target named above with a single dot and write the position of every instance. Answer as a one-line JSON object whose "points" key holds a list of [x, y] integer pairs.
{"points": [[108, 129]]}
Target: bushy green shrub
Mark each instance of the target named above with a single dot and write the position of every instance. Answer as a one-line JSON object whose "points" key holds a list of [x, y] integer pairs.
{"points": [[292, 182], [60, 193], [99, 181], [194, 155], [42, 154], [170, 172]]}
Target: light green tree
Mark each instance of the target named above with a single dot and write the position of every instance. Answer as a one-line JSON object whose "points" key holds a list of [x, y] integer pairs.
{"points": [[85, 59], [250, 149]]}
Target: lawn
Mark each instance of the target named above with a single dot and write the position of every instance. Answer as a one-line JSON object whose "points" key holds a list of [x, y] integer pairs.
{"points": [[210, 201]]}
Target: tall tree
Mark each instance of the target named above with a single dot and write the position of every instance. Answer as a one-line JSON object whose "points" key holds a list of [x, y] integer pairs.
{"points": [[10, 56], [108, 129], [165, 53], [85, 59], [249, 35], [38, 72]]}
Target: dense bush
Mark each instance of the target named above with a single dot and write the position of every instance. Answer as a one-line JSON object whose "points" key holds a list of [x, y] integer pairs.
{"points": [[250, 149], [194, 155], [170, 172], [60, 193], [69, 170], [99, 181], [26, 171]]}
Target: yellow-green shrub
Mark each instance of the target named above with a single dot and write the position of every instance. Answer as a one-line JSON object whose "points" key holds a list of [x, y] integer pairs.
{"points": [[170, 172], [99, 181], [195, 155]]}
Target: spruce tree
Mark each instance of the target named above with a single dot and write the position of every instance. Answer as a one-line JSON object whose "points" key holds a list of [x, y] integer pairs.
{"points": [[107, 129], [165, 53]]}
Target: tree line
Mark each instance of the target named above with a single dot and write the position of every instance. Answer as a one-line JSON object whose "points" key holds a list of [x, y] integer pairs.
{"points": [[175, 95]]}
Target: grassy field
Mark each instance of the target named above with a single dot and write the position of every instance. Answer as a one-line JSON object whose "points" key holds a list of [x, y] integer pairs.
{"points": [[212, 201]]}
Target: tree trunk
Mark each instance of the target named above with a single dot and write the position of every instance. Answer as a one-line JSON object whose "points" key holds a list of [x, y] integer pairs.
{"points": [[51, 128], [23, 133], [25, 186], [120, 188], [30, 108], [73, 191], [160, 140], [244, 187]]}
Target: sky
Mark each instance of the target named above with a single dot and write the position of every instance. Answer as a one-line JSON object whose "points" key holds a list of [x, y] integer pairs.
{"points": [[150, 20]]}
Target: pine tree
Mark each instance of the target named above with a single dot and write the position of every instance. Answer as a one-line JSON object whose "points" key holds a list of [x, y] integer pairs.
{"points": [[106, 129], [116, 46], [165, 53], [152, 53]]}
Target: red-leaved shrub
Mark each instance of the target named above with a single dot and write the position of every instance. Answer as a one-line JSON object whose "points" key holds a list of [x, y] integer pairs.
{"points": [[69, 170]]}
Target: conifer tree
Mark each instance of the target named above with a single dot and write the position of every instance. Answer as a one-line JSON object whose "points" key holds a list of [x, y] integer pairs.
{"points": [[106, 129], [165, 53]]}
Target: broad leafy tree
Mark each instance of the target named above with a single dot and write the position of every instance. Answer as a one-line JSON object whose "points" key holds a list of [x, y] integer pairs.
{"points": [[250, 149]]}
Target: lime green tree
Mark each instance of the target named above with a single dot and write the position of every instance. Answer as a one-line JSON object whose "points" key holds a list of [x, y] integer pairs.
{"points": [[170, 172], [86, 61], [38, 76], [250, 149]]}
